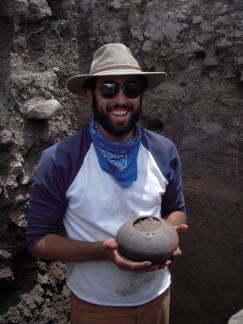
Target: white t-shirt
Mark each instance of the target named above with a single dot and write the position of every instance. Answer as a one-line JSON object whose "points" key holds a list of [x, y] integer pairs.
{"points": [[93, 206]]}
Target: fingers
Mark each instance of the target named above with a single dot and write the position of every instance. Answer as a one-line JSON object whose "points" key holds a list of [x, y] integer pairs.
{"points": [[181, 228], [167, 262], [113, 255], [177, 252], [151, 268], [155, 267], [138, 266], [129, 265]]}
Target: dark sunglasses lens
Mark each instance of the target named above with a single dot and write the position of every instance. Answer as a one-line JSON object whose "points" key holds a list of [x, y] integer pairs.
{"points": [[109, 90], [132, 89]]}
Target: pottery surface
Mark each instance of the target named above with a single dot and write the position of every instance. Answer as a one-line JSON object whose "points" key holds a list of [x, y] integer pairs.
{"points": [[147, 238]]}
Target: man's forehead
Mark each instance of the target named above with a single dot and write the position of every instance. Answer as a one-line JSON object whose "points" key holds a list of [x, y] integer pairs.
{"points": [[118, 78]]}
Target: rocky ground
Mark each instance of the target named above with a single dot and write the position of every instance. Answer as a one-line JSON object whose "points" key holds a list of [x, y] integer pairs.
{"points": [[199, 44]]}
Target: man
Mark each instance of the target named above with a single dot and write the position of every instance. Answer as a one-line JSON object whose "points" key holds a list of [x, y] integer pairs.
{"points": [[95, 181]]}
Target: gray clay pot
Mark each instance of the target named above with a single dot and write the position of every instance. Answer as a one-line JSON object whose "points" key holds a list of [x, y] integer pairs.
{"points": [[147, 238]]}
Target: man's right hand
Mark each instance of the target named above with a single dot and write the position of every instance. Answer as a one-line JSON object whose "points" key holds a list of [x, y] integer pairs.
{"points": [[112, 254]]}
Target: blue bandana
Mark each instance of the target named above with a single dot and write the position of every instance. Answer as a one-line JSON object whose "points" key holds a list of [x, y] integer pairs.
{"points": [[117, 159]]}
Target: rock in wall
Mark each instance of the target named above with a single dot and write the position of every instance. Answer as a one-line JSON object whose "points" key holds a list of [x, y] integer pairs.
{"points": [[199, 45]]}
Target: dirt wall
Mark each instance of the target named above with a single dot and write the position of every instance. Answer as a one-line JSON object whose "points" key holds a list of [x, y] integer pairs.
{"points": [[199, 45]]}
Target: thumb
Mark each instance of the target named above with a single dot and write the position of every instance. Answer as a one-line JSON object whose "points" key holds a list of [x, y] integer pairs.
{"points": [[181, 228], [110, 244]]}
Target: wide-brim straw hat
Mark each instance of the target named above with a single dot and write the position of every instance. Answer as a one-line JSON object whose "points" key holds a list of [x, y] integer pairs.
{"points": [[114, 59]]}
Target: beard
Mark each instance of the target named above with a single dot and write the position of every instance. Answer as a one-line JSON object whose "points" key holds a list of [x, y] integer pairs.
{"points": [[118, 129]]}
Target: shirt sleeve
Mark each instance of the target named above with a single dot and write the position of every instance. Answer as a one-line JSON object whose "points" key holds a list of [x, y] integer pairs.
{"points": [[167, 158], [173, 198], [48, 199]]}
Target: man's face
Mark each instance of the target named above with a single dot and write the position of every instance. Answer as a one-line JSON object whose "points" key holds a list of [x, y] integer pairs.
{"points": [[116, 116]]}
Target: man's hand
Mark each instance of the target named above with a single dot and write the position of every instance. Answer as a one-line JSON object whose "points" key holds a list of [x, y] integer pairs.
{"points": [[180, 229], [111, 250]]}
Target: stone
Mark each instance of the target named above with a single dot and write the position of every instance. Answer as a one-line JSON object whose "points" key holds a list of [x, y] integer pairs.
{"points": [[207, 27], [210, 61], [38, 10], [197, 19], [147, 46], [239, 61], [196, 48], [41, 108], [211, 128], [223, 44], [6, 275], [6, 137]]}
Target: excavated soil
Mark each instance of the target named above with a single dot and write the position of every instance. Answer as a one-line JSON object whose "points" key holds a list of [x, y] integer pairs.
{"points": [[200, 107]]}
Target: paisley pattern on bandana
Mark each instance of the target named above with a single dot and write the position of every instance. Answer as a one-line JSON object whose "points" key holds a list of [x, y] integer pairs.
{"points": [[118, 159]]}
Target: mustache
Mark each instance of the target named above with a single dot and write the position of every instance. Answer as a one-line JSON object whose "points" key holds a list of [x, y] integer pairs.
{"points": [[117, 106]]}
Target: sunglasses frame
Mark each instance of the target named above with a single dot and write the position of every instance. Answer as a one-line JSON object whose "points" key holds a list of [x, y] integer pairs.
{"points": [[111, 93]]}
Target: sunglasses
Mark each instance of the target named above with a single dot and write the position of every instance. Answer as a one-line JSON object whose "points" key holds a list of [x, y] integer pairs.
{"points": [[110, 89]]}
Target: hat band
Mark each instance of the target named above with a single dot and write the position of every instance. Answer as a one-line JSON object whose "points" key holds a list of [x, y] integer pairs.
{"points": [[116, 68]]}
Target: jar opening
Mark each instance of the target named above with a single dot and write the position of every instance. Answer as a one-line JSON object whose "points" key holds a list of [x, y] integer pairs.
{"points": [[147, 224]]}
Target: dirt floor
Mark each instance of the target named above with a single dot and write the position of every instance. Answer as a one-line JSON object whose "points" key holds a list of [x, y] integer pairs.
{"points": [[199, 44]]}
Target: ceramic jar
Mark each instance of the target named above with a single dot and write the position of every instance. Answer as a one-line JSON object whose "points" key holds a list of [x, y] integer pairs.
{"points": [[147, 238]]}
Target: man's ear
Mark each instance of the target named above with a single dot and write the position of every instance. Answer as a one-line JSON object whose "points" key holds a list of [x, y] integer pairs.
{"points": [[89, 93]]}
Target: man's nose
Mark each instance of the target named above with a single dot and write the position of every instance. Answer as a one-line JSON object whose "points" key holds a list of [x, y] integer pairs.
{"points": [[120, 97]]}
